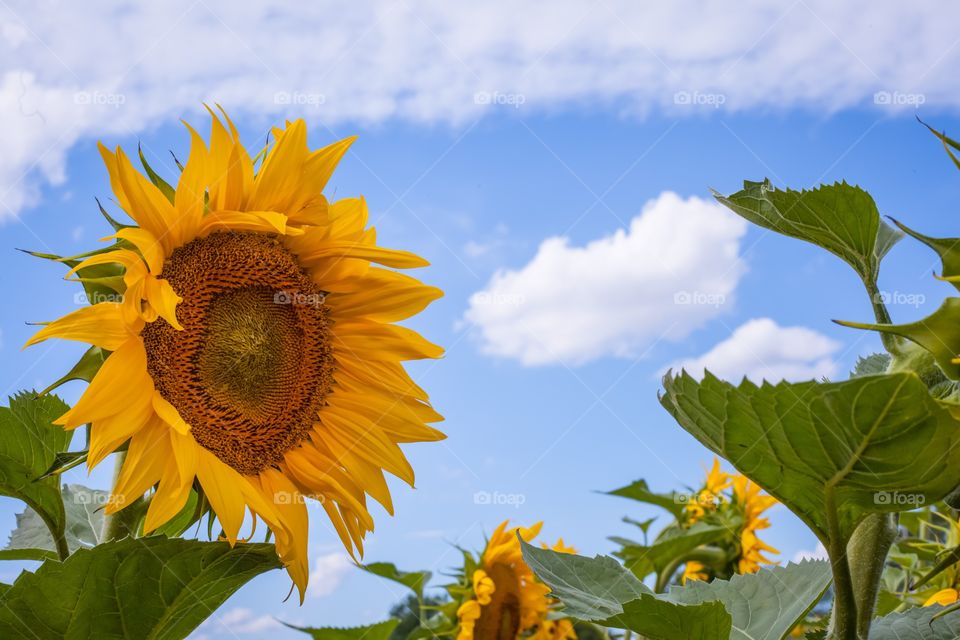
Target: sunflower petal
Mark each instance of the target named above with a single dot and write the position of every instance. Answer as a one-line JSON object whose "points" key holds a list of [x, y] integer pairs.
{"points": [[101, 325]]}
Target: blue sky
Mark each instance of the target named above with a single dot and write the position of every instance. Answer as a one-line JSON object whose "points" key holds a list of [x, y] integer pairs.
{"points": [[550, 379]]}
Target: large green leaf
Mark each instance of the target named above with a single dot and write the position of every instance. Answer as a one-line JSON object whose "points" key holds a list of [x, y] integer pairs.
{"points": [[29, 444], [761, 606], [378, 631], [413, 580], [841, 218], [658, 619], [639, 491], [919, 623], [145, 589], [84, 524], [601, 590], [831, 452], [766, 605]]}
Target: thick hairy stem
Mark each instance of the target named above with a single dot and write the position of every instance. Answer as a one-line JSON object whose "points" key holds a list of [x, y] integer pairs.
{"points": [[114, 526], [843, 618], [867, 550]]}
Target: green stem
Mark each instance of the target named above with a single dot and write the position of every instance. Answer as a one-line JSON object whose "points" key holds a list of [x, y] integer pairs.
{"points": [[114, 526], [890, 342], [843, 619], [867, 550]]}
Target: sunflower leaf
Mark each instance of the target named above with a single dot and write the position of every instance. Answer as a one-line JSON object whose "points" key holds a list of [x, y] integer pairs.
{"points": [[766, 605], [831, 452], [761, 606], [84, 513], [644, 560], [378, 631], [938, 333], [841, 218], [919, 623], [29, 444], [413, 580], [639, 491], [155, 588], [591, 589]]}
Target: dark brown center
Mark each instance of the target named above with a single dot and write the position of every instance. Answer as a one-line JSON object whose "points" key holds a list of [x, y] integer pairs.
{"points": [[253, 365]]}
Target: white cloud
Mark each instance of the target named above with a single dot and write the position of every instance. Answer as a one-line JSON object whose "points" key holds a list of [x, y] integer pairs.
{"points": [[328, 573], [760, 349], [818, 553], [675, 267], [78, 71], [239, 621]]}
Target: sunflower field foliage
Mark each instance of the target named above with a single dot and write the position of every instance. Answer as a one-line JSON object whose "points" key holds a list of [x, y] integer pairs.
{"points": [[244, 358]]}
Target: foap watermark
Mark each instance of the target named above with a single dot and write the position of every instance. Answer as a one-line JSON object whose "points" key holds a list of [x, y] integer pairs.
{"points": [[96, 297], [699, 99], [299, 298], [499, 499], [899, 298], [295, 497], [700, 298], [100, 99], [895, 498], [898, 99], [704, 499], [498, 98], [98, 499], [299, 98]]}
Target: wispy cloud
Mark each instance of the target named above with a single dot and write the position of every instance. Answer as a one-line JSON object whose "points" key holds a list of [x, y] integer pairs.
{"points": [[81, 71]]}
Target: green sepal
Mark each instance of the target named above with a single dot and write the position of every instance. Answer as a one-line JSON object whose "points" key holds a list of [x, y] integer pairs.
{"points": [[947, 248], [86, 368], [155, 178]]}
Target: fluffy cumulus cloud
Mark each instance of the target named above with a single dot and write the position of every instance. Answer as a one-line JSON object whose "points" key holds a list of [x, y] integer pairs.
{"points": [[674, 268], [760, 349], [73, 71], [328, 573]]}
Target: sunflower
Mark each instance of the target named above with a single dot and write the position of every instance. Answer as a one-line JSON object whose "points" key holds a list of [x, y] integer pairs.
{"points": [[748, 503], [252, 350], [504, 598], [748, 498]]}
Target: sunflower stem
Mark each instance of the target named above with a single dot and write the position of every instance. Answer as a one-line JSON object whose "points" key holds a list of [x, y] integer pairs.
{"points": [[114, 526]]}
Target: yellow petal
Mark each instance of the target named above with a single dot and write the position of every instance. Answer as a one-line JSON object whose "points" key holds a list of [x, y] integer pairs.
{"points": [[221, 485], [163, 299], [169, 414], [261, 221], [122, 379], [107, 434], [364, 339], [190, 199], [143, 465], [148, 206], [101, 325], [148, 245], [383, 295], [275, 185]]}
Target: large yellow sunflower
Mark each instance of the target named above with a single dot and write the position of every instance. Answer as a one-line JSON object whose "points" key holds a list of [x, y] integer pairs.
{"points": [[252, 350], [506, 599]]}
